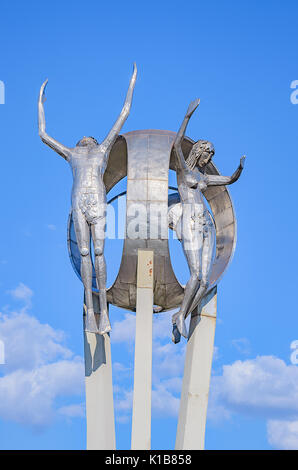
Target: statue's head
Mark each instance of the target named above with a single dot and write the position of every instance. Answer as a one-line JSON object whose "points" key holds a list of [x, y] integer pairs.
{"points": [[201, 154], [87, 142]]}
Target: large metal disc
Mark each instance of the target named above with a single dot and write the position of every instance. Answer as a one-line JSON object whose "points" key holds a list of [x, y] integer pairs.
{"points": [[145, 157]]}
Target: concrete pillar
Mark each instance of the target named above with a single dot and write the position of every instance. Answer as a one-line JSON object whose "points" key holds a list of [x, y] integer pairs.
{"points": [[141, 415], [196, 379], [99, 391]]}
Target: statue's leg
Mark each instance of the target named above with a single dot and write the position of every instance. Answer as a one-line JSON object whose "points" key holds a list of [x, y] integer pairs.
{"points": [[192, 246], [82, 232], [207, 252], [97, 231]]}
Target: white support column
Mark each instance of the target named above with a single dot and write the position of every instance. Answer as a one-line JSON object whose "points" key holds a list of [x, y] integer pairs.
{"points": [[99, 392], [141, 415], [196, 379]]}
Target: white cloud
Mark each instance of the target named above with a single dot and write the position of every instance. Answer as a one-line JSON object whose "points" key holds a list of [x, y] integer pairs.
{"points": [[283, 435], [162, 325], [119, 367], [168, 359], [265, 386], [173, 384], [22, 292], [168, 363], [217, 410], [164, 402], [242, 345], [28, 397], [125, 403], [122, 419], [29, 343], [124, 330], [216, 354], [38, 368], [51, 227], [73, 411]]}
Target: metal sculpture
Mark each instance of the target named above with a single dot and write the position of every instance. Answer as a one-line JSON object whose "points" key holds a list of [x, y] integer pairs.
{"points": [[194, 227], [88, 161], [146, 282], [145, 156]]}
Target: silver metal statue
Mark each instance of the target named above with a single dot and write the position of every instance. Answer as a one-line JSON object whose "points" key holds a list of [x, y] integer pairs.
{"points": [[195, 227], [88, 161]]}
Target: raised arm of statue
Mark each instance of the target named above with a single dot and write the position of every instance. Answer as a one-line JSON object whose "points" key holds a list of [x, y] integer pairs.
{"points": [[180, 160], [114, 132], [215, 180], [59, 148]]}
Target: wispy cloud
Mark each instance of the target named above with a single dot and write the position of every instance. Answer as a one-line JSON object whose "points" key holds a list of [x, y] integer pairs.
{"points": [[73, 411], [168, 362], [119, 367], [23, 293], [29, 343], [242, 345], [283, 435], [164, 401], [38, 368], [28, 396], [52, 227], [265, 387], [124, 330]]}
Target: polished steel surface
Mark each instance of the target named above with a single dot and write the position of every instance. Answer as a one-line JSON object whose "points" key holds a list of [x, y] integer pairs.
{"points": [[194, 226], [144, 157], [88, 161]]}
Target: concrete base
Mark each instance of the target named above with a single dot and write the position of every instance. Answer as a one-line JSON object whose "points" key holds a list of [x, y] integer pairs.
{"points": [[141, 415], [99, 392], [196, 379]]}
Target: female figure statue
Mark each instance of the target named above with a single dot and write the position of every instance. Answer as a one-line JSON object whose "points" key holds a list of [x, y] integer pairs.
{"points": [[195, 228], [88, 161]]}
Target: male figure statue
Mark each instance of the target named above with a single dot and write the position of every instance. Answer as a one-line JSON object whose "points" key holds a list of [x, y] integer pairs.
{"points": [[88, 161]]}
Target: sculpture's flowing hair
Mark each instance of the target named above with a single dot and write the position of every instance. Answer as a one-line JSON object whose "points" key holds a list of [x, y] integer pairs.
{"points": [[94, 140], [195, 153], [88, 138]]}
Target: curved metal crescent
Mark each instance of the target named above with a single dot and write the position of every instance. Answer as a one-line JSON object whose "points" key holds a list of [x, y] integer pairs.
{"points": [[145, 157]]}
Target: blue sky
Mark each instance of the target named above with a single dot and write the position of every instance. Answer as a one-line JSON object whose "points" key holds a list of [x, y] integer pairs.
{"points": [[240, 58]]}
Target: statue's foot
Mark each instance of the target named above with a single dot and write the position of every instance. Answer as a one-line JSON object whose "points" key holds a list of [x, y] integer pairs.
{"points": [[104, 325], [176, 336], [90, 322], [179, 327]]}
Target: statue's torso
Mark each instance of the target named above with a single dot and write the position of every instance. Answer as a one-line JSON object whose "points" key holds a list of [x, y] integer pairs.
{"points": [[191, 197], [88, 190], [87, 170]]}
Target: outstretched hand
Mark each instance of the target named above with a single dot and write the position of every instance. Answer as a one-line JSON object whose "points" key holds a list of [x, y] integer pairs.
{"points": [[192, 107], [242, 161], [42, 97], [134, 73]]}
